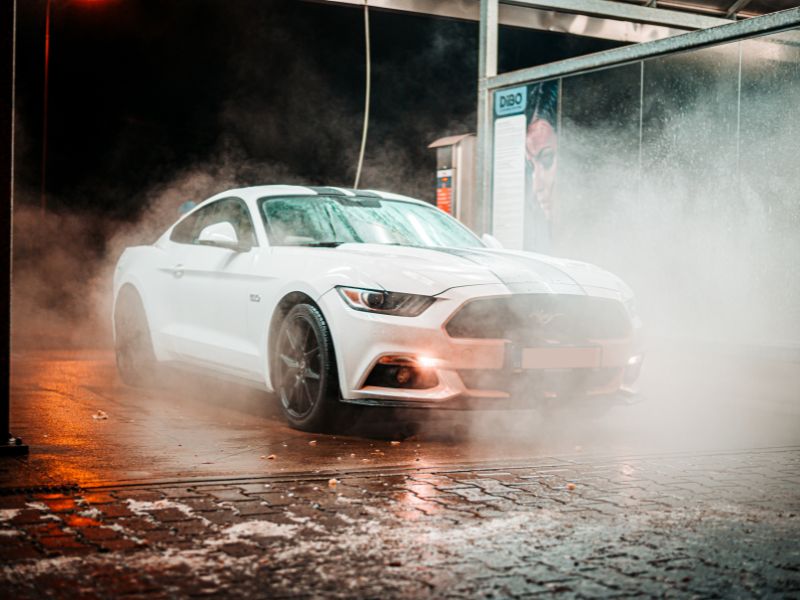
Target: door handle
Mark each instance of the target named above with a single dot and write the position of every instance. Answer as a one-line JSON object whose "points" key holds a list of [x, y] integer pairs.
{"points": [[177, 271]]}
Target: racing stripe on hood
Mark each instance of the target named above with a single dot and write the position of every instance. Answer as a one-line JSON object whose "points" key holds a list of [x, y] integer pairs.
{"points": [[511, 269]]}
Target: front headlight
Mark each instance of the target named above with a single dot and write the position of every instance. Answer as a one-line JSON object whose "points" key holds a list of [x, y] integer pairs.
{"points": [[385, 303]]}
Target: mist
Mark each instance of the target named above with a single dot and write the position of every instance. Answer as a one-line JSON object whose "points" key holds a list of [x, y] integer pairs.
{"points": [[678, 176], [258, 96], [700, 218]]}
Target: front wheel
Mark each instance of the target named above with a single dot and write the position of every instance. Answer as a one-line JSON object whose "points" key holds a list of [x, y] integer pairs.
{"points": [[305, 369]]}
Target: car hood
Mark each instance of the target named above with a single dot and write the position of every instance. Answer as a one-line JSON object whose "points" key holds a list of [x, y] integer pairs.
{"points": [[432, 271]]}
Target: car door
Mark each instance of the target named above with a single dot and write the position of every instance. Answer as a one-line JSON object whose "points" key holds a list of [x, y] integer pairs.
{"points": [[167, 316], [212, 288]]}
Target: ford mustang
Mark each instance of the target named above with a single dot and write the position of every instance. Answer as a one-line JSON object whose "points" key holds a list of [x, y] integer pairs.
{"points": [[330, 297]]}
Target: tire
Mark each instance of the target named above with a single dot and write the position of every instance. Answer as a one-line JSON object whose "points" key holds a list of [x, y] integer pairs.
{"points": [[306, 379], [136, 361]]}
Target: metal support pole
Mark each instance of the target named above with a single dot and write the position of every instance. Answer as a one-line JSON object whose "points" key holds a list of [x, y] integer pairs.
{"points": [[9, 445], [624, 12], [487, 68], [43, 190]]}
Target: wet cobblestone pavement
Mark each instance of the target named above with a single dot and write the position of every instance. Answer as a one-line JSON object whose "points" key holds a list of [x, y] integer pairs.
{"points": [[707, 525]]}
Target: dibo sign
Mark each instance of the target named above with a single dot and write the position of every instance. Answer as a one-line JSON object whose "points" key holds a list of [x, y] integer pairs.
{"points": [[510, 101]]}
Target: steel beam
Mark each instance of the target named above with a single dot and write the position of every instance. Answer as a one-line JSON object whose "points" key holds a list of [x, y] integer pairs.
{"points": [[526, 18], [583, 25], [733, 31], [625, 12]]}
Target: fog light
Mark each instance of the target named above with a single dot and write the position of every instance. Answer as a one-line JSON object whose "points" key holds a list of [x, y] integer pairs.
{"points": [[403, 375], [426, 362], [633, 369]]}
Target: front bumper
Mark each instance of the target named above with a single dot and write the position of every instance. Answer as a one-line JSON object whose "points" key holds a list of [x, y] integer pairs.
{"points": [[470, 373], [621, 397]]}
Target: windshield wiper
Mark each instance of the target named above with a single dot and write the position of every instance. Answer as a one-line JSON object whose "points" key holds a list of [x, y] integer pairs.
{"points": [[322, 244]]}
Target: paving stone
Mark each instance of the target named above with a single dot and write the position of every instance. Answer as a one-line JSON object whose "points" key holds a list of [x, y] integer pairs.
{"points": [[61, 504], [118, 545], [76, 521], [139, 495], [95, 498], [231, 494], [181, 493], [18, 549], [223, 517], [169, 515], [159, 536], [12, 501], [65, 545], [137, 524], [96, 534], [192, 527], [258, 507], [115, 510], [46, 529], [201, 503], [128, 584], [27, 516]]}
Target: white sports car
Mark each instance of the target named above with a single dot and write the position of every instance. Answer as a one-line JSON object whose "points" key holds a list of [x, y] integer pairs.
{"points": [[330, 297]]}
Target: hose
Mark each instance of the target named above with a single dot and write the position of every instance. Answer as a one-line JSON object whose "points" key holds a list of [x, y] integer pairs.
{"points": [[366, 97]]}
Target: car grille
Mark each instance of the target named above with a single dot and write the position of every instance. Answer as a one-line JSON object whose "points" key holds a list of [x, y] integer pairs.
{"points": [[541, 319], [549, 382]]}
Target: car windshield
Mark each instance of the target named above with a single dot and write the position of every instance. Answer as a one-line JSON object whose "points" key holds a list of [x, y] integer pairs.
{"points": [[334, 220]]}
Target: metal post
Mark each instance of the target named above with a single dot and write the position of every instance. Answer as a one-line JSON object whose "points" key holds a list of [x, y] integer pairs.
{"points": [[9, 445], [43, 191], [487, 68]]}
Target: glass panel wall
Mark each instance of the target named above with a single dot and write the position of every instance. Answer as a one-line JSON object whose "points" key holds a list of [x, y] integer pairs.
{"points": [[768, 203], [680, 174]]}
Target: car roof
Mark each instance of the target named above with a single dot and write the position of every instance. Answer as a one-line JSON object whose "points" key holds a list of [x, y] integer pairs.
{"points": [[265, 191]]}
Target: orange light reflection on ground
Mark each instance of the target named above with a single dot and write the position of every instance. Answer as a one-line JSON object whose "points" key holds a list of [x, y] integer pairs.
{"points": [[64, 430]]}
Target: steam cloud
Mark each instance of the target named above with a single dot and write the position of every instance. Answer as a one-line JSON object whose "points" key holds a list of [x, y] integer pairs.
{"points": [[711, 251], [707, 236]]}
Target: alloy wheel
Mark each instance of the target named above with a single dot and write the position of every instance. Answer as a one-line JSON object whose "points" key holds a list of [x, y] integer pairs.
{"points": [[300, 368]]}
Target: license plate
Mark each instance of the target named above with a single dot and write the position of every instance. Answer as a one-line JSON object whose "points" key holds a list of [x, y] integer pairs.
{"points": [[562, 358]]}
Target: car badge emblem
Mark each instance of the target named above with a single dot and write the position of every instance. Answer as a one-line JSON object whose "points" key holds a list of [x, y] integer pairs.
{"points": [[543, 318]]}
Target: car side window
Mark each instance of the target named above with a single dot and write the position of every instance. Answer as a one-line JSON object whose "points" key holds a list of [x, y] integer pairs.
{"points": [[232, 210], [183, 232]]}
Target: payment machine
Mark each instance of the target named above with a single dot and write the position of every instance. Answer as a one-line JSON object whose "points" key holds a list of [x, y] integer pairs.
{"points": [[455, 177]]}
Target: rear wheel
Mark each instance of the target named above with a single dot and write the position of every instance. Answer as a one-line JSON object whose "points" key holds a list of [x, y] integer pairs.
{"points": [[136, 360], [305, 370]]}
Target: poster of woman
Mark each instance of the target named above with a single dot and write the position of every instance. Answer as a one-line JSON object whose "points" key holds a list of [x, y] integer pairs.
{"points": [[541, 165]]}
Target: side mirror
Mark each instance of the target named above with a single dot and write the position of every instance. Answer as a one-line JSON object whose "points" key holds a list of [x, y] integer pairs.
{"points": [[491, 241], [222, 235]]}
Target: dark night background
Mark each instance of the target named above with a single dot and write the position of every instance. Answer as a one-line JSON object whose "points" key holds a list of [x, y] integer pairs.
{"points": [[261, 91]]}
